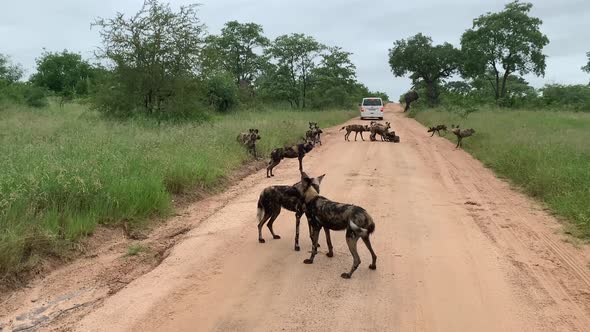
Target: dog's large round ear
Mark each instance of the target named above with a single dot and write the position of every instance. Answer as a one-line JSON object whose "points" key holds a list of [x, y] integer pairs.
{"points": [[320, 178]]}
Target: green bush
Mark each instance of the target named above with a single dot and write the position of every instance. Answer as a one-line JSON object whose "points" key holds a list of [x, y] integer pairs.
{"points": [[221, 92], [24, 94], [574, 97]]}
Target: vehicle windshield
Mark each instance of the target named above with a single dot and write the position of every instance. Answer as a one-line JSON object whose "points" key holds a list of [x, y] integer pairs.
{"points": [[372, 102]]}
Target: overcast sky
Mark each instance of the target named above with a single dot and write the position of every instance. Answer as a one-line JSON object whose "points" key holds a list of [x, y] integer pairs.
{"points": [[365, 28]]}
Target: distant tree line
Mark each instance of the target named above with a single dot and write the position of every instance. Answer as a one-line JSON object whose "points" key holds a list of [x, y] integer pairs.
{"points": [[160, 62], [495, 53]]}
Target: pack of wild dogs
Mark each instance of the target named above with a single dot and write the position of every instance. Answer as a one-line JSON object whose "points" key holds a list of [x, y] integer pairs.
{"points": [[458, 132], [304, 196], [374, 128]]}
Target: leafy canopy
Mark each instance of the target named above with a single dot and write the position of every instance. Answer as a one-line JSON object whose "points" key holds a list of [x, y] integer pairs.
{"points": [[9, 72], [424, 62], [503, 43], [234, 51], [64, 73]]}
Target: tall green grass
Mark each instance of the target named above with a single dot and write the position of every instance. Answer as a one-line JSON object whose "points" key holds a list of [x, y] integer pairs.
{"points": [[547, 154], [66, 170]]}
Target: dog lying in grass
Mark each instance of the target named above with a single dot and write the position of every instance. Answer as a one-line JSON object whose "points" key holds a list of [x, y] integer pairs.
{"points": [[357, 129], [437, 129], [272, 199], [461, 134], [296, 151], [324, 213], [249, 140]]}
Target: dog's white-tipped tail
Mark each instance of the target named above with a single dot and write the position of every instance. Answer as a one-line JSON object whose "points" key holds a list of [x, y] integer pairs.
{"points": [[260, 213], [358, 230]]}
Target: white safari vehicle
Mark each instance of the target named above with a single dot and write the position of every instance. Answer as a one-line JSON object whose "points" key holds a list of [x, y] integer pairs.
{"points": [[372, 108]]}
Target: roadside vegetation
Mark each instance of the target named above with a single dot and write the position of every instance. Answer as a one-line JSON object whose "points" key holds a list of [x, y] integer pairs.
{"points": [[536, 138], [544, 153]]}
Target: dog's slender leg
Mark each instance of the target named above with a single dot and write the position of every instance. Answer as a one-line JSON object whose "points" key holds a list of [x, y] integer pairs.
{"points": [[270, 222], [362, 136], [355, 135], [297, 222], [432, 134], [300, 163], [314, 246], [329, 242], [367, 242], [260, 224], [438, 131], [272, 165], [351, 240]]}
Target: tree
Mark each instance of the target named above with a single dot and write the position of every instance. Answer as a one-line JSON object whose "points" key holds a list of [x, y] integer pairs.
{"points": [[65, 73], [9, 72], [153, 54], [222, 93], [586, 68], [502, 44], [234, 50], [424, 62], [334, 79], [295, 56]]}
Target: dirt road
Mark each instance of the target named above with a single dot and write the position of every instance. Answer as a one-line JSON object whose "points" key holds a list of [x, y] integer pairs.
{"points": [[457, 251]]}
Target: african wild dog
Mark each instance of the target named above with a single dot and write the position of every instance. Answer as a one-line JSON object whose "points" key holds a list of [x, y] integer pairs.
{"points": [[379, 129], [314, 133], [249, 140], [273, 198], [357, 129], [436, 129], [461, 134], [296, 151], [391, 137], [322, 212]]}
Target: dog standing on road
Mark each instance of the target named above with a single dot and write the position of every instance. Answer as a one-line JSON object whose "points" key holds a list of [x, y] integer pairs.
{"points": [[322, 212], [357, 129], [296, 151], [380, 129], [273, 198]]}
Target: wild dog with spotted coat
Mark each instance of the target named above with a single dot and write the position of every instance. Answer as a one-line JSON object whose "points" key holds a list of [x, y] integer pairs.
{"points": [[436, 129], [322, 212], [357, 129], [274, 198], [380, 129], [461, 134], [249, 140], [314, 133], [296, 151]]}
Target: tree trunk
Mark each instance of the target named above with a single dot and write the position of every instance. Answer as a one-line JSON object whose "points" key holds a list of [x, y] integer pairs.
{"points": [[304, 82], [504, 79], [432, 93]]}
